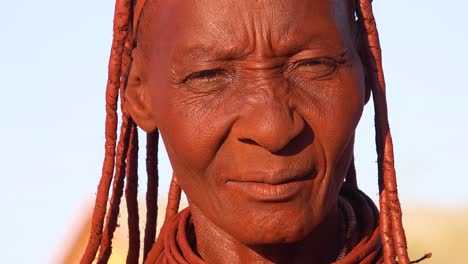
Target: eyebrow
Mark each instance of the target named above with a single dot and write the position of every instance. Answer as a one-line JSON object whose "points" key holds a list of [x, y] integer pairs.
{"points": [[213, 52], [204, 52], [313, 41]]}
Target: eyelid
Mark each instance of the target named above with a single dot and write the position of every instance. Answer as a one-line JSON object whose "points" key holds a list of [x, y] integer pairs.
{"points": [[323, 60], [310, 65], [198, 74], [340, 57], [186, 71], [216, 80]]}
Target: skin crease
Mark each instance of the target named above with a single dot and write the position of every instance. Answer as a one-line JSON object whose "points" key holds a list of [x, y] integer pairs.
{"points": [[257, 103]]}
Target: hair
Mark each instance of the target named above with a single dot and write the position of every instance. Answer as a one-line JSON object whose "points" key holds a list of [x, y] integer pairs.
{"points": [[121, 159]]}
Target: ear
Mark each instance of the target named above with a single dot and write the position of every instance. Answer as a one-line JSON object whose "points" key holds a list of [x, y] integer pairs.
{"points": [[138, 100]]}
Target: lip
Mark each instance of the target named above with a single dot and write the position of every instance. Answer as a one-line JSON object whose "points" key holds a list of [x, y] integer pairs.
{"points": [[270, 187]]}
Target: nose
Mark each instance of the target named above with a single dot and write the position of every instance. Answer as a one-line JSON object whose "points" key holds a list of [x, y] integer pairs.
{"points": [[268, 122]]}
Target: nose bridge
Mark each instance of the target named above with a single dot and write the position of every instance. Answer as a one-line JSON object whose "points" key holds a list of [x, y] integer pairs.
{"points": [[266, 76], [268, 120]]}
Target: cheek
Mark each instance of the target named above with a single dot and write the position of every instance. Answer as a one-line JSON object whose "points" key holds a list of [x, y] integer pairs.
{"points": [[346, 108], [333, 110], [192, 130], [342, 116], [188, 141]]}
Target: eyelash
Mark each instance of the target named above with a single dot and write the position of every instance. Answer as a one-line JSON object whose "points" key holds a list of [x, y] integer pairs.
{"points": [[205, 74], [317, 61], [312, 66]]}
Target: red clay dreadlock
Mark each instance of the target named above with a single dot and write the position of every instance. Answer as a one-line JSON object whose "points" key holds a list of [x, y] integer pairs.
{"points": [[120, 162]]}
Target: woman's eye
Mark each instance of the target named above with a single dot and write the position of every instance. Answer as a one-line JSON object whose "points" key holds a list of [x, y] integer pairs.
{"points": [[208, 80], [316, 68], [206, 74]]}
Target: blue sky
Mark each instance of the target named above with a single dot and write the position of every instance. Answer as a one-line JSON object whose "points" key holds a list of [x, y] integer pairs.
{"points": [[53, 63]]}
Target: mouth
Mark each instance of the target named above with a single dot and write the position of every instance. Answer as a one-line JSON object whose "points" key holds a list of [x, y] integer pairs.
{"points": [[271, 187]]}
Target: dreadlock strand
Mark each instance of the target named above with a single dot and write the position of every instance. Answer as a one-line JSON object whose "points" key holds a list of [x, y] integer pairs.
{"points": [[117, 191], [130, 175], [152, 191], [173, 199], [385, 217], [172, 208], [113, 84], [122, 149], [137, 10], [131, 193], [125, 67], [385, 221], [151, 151], [386, 230], [394, 204], [384, 139]]}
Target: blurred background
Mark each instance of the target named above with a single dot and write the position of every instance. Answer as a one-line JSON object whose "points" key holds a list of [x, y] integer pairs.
{"points": [[53, 70]]}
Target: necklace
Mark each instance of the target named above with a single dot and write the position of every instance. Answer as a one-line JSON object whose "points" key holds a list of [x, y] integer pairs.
{"points": [[348, 225]]}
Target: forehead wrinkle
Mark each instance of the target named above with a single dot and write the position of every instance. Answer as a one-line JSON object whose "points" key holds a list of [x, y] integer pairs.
{"points": [[283, 37], [263, 26], [209, 52], [211, 37], [231, 40], [298, 36], [234, 40]]}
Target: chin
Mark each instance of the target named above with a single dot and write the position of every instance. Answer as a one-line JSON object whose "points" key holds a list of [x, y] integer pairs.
{"points": [[279, 225]]}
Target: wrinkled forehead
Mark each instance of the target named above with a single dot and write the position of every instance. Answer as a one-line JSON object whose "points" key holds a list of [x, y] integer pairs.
{"points": [[227, 22]]}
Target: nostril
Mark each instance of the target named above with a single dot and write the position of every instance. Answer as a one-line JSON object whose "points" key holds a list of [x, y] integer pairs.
{"points": [[273, 133], [248, 141]]}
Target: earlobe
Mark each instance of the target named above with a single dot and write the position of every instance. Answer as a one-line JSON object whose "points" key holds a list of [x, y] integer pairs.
{"points": [[138, 100]]}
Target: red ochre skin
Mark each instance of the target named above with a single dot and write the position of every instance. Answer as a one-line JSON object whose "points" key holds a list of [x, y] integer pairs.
{"points": [[257, 103], [269, 73]]}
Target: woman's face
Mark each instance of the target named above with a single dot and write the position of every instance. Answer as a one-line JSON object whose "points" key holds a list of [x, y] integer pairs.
{"points": [[257, 103]]}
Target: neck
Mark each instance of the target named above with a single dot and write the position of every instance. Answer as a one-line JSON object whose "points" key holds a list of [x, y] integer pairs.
{"points": [[216, 246]]}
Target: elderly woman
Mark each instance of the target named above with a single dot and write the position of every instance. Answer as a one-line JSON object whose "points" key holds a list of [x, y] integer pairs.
{"points": [[257, 103]]}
